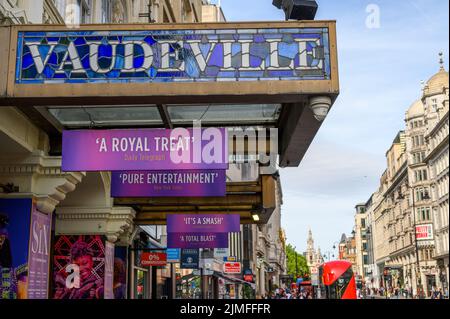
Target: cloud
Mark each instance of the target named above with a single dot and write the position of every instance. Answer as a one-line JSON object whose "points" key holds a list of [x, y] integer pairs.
{"points": [[323, 191]]}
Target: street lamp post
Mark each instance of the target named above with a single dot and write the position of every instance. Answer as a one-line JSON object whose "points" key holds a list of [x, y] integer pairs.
{"points": [[330, 254], [334, 246]]}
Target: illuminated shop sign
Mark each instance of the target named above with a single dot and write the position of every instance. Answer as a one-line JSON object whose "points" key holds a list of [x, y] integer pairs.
{"points": [[214, 55]]}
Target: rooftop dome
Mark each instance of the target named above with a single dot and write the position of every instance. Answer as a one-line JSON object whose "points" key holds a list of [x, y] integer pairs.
{"points": [[437, 82], [416, 109]]}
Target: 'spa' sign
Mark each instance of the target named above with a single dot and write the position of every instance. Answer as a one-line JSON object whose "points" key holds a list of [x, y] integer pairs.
{"points": [[214, 55]]}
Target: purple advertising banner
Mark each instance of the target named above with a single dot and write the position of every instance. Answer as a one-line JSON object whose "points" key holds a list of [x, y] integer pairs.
{"points": [[186, 183], [197, 240], [39, 254], [145, 149], [109, 270], [211, 223]]}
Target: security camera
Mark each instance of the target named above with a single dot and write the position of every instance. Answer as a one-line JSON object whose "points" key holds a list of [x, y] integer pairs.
{"points": [[297, 9], [320, 105]]}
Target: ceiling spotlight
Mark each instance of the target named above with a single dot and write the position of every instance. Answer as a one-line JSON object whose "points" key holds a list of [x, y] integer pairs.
{"points": [[255, 217], [297, 9]]}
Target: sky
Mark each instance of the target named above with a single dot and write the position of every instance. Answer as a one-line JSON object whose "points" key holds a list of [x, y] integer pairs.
{"points": [[380, 69]]}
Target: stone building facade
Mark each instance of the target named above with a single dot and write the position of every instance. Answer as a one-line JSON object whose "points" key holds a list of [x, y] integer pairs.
{"points": [[410, 209]]}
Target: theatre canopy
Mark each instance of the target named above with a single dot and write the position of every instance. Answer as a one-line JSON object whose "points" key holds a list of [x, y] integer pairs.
{"points": [[268, 74]]}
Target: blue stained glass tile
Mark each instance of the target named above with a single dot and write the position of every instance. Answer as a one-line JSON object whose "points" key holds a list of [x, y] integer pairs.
{"points": [[261, 50], [138, 61], [116, 38], [27, 61], [268, 31], [233, 37], [326, 40], [60, 49], [105, 63], [251, 74], [35, 34], [212, 71], [226, 74], [289, 30], [150, 40], [192, 69], [29, 73], [120, 50], [259, 38], [60, 76], [133, 38], [307, 36], [32, 39], [288, 50], [217, 56], [245, 37], [204, 48], [105, 51], [224, 31], [204, 32], [193, 37], [280, 73], [113, 74], [255, 62], [76, 75], [272, 36], [310, 30], [53, 59], [236, 48], [94, 38], [48, 72]]}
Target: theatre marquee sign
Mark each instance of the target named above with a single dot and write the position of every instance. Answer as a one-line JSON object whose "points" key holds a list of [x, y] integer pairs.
{"points": [[220, 56]]}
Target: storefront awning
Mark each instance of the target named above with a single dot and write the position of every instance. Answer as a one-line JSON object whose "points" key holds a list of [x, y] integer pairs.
{"points": [[233, 279]]}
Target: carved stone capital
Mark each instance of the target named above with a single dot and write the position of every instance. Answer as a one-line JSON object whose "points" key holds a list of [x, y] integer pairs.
{"points": [[40, 175], [114, 222]]}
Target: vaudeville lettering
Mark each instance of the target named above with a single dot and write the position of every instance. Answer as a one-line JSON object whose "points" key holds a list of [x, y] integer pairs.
{"points": [[182, 55]]}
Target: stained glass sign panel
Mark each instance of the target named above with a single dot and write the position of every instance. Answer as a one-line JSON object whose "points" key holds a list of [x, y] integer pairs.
{"points": [[148, 56]]}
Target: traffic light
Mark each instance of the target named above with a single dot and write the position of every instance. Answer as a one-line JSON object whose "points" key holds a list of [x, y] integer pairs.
{"points": [[297, 9]]}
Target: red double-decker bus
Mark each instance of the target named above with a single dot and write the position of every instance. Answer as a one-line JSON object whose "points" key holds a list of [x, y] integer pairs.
{"points": [[337, 281]]}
